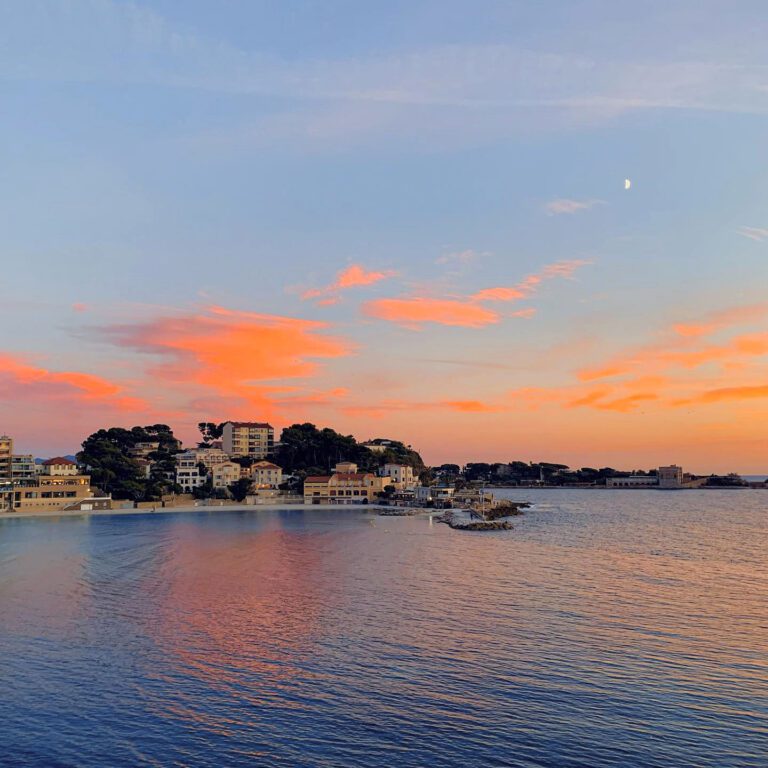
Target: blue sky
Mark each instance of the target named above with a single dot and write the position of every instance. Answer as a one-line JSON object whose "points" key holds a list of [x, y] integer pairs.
{"points": [[159, 158]]}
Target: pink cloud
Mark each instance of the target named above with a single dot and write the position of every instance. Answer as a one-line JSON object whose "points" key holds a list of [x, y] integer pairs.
{"points": [[353, 276]]}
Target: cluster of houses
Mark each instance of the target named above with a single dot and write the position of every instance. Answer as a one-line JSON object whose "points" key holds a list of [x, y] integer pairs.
{"points": [[49, 486]]}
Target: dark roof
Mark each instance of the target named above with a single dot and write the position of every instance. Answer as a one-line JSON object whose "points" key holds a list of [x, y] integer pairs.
{"points": [[317, 479], [260, 424], [59, 460]]}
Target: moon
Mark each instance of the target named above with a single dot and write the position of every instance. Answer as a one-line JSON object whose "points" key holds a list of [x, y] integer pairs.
{"points": [[627, 183]]}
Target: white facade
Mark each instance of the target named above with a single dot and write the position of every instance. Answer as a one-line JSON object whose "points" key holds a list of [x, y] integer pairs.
{"points": [[401, 475], [265, 474], [188, 472], [634, 481], [223, 475]]}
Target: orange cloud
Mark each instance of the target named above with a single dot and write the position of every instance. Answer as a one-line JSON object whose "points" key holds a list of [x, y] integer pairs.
{"points": [[415, 312], [352, 277], [234, 354], [527, 286], [722, 319], [727, 393], [471, 406], [20, 381]]}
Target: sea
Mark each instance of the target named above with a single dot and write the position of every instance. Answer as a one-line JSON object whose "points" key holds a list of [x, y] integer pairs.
{"points": [[608, 628]]}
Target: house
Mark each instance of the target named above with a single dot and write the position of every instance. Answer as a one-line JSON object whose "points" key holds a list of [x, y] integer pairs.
{"points": [[435, 495], [265, 474], [343, 487], [248, 438], [60, 467], [224, 474]]}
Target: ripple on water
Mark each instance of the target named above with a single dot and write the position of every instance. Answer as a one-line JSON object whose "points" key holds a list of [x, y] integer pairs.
{"points": [[607, 629]]}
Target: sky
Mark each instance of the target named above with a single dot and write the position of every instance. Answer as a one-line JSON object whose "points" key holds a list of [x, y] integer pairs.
{"points": [[403, 219]]}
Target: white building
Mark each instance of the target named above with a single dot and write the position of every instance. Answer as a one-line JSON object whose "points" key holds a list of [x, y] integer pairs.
{"points": [[633, 481], [424, 494], [265, 474], [188, 474], [671, 476], [223, 475], [60, 467], [401, 475]]}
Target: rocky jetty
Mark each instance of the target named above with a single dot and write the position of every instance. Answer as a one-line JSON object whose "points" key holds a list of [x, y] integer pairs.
{"points": [[467, 521]]}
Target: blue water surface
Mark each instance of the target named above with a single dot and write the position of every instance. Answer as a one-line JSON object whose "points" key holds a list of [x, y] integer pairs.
{"points": [[609, 628]]}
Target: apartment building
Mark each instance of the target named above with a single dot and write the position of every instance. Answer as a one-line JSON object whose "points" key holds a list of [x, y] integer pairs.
{"points": [[59, 486], [248, 438], [24, 470], [6, 457], [223, 475], [671, 477], [399, 475]]}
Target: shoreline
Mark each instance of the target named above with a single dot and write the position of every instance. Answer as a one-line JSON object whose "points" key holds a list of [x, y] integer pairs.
{"points": [[188, 509]]}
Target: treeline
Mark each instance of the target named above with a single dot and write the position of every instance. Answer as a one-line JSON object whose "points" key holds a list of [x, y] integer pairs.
{"points": [[521, 472]]}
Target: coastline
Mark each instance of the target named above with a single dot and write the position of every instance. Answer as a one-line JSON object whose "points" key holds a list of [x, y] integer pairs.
{"points": [[188, 509]]}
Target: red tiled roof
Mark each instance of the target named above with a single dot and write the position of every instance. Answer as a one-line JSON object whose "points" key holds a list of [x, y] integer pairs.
{"points": [[59, 460], [266, 465], [317, 479]]}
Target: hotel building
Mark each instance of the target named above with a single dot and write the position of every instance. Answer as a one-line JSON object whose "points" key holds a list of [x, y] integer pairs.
{"points": [[248, 438]]}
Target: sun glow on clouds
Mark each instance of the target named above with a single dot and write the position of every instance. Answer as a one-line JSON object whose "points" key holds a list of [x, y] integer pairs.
{"points": [[240, 356], [353, 276], [414, 311]]}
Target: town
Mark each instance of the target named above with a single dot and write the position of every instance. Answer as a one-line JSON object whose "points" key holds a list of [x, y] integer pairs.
{"points": [[239, 462]]}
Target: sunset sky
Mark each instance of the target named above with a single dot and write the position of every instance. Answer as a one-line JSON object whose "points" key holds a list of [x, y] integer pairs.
{"points": [[403, 219]]}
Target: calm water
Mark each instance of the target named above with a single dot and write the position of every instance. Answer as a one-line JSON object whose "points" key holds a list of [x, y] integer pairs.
{"points": [[608, 629]]}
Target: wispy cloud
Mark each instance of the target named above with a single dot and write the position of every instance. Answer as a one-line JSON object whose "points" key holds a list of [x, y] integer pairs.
{"points": [[414, 312], [530, 284], [353, 276], [754, 233], [565, 205]]}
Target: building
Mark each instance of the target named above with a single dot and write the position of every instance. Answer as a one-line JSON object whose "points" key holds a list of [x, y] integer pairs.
{"points": [[671, 477], [633, 481], [188, 474], [343, 487], [248, 438], [57, 488], [377, 446], [400, 475], [223, 475], [265, 474], [142, 450], [6, 457], [60, 467], [436, 495], [24, 470]]}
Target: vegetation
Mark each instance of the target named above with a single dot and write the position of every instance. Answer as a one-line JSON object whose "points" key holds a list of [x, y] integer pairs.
{"points": [[107, 456], [306, 450], [210, 432], [240, 488]]}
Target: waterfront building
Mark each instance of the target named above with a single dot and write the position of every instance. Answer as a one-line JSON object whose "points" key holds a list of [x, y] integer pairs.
{"points": [[400, 475], [6, 457], [223, 475], [433, 494], [248, 438], [24, 470], [633, 481], [343, 487], [265, 474], [671, 477], [59, 487]]}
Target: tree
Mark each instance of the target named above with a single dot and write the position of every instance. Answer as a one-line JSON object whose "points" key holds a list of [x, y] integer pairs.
{"points": [[210, 432], [240, 488], [106, 455]]}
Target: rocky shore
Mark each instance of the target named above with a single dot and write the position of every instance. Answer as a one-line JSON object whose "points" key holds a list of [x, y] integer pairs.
{"points": [[465, 521]]}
